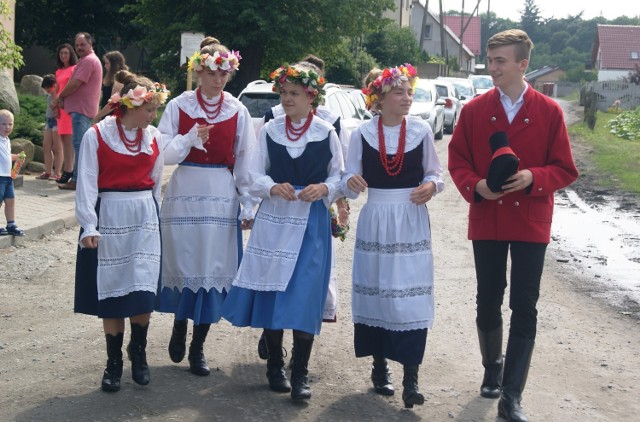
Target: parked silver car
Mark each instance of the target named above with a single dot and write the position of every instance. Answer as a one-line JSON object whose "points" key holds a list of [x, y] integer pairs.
{"points": [[465, 88], [258, 97], [452, 106], [427, 105]]}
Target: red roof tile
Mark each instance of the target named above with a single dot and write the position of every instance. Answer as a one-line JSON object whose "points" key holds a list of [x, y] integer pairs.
{"points": [[472, 35], [616, 43]]}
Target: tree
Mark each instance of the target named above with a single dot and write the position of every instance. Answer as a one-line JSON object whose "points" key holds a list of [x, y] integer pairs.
{"points": [[393, 46], [10, 53], [530, 20], [49, 23], [633, 76], [266, 33]]}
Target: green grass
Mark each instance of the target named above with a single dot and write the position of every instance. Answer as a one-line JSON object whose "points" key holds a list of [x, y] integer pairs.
{"points": [[617, 157]]}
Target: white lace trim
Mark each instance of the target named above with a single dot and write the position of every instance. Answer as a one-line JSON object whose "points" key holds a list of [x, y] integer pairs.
{"points": [[417, 130], [196, 283], [188, 103], [109, 132], [318, 131]]}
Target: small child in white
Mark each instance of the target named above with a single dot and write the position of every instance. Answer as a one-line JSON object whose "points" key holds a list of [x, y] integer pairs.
{"points": [[7, 195]]}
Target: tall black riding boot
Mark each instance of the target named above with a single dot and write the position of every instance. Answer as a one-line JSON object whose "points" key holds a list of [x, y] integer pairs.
{"points": [[411, 393], [275, 363], [177, 344], [300, 360], [516, 369], [381, 377], [197, 362], [136, 350], [491, 350], [113, 371]]}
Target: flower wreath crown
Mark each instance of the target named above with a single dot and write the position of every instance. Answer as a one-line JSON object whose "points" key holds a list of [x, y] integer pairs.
{"points": [[225, 62], [312, 83], [138, 96], [390, 77]]}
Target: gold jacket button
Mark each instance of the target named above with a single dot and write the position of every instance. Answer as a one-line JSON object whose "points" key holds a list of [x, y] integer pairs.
{"points": [[526, 120], [500, 202], [517, 204], [493, 119]]}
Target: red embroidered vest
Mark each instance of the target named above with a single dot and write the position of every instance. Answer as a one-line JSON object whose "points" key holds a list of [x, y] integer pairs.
{"points": [[219, 145], [124, 172]]}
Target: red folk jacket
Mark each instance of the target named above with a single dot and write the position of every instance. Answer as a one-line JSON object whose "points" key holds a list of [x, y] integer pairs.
{"points": [[538, 136]]}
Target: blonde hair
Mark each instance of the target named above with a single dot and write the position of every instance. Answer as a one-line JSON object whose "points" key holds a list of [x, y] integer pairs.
{"points": [[516, 37], [6, 114]]}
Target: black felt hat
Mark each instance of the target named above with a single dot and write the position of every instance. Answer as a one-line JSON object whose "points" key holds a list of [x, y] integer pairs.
{"points": [[504, 162]]}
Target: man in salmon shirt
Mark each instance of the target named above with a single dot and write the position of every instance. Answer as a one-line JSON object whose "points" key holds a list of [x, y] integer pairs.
{"points": [[81, 96], [517, 218]]}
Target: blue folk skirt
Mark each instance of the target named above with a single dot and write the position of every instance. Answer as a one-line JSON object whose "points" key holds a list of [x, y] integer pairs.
{"points": [[301, 305]]}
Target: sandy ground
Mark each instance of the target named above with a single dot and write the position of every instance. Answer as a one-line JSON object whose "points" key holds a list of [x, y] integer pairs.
{"points": [[586, 365]]}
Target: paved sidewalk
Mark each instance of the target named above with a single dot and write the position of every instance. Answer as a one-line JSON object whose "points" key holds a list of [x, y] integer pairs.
{"points": [[42, 208]]}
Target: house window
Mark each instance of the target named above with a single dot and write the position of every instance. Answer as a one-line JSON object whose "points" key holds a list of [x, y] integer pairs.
{"points": [[427, 32], [634, 55]]}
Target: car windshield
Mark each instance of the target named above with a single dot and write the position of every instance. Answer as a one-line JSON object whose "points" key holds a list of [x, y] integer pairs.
{"points": [[422, 95], [482, 83], [259, 103], [464, 90]]}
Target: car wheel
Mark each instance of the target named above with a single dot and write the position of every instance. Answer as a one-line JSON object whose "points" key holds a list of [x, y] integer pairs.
{"points": [[440, 133], [449, 129]]}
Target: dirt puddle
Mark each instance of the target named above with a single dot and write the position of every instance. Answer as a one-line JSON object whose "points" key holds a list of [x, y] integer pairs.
{"points": [[602, 242]]}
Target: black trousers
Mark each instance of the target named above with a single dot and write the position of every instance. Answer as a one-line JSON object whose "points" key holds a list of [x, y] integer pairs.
{"points": [[527, 262]]}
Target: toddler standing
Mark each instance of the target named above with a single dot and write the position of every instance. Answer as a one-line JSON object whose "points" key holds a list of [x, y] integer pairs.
{"points": [[7, 195]]}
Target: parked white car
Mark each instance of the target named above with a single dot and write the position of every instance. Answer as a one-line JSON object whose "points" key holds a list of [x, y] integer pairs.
{"points": [[258, 97], [452, 106], [465, 88], [428, 106], [482, 83]]}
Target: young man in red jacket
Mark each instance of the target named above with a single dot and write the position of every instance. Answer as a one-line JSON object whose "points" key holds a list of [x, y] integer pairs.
{"points": [[517, 218]]}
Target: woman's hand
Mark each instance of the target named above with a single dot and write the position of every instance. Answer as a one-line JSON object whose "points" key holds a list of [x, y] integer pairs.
{"points": [[90, 242], [423, 193], [357, 183], [284, 190], [202, 132], [313, 192]]}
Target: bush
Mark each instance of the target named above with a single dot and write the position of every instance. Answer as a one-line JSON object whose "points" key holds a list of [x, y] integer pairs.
{"points": [[590, 109], [626, 125], [29, 124]]}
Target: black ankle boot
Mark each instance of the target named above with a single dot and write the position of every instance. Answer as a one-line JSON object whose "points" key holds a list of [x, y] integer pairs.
{"points": [[136, 350], [275, 363], [411, 394], [516, 370], [381, 377], [491, 350], [263, 350], [197, 362], [300, 360], [113, 371], [177, 344]]}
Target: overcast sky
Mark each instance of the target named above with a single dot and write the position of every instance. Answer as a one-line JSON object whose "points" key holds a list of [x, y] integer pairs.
{"points": [[511, 9]]}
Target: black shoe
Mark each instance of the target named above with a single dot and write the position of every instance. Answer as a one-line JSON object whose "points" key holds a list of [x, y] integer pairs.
{"points": [[263, 350], [113, 371], [177, 345], [509, 409], [276, 374], [300, 389], [411, 395], [14, 230], [65, 177], [197, 362], [136, 351], [381, 377], [492, 361]]}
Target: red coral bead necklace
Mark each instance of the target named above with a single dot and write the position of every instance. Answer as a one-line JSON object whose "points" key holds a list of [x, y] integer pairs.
{"points": [[293, 133], [132, 145], [392, 166], [211, 110]]}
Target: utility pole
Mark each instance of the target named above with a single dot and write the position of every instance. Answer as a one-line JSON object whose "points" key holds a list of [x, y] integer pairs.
{"points": [[424, 24]]}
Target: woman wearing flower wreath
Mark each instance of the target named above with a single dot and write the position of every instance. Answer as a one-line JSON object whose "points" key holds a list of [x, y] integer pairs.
{"points": [[211, 134], [392, 295], [283, 279], [118, 265], [339, 213]]}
